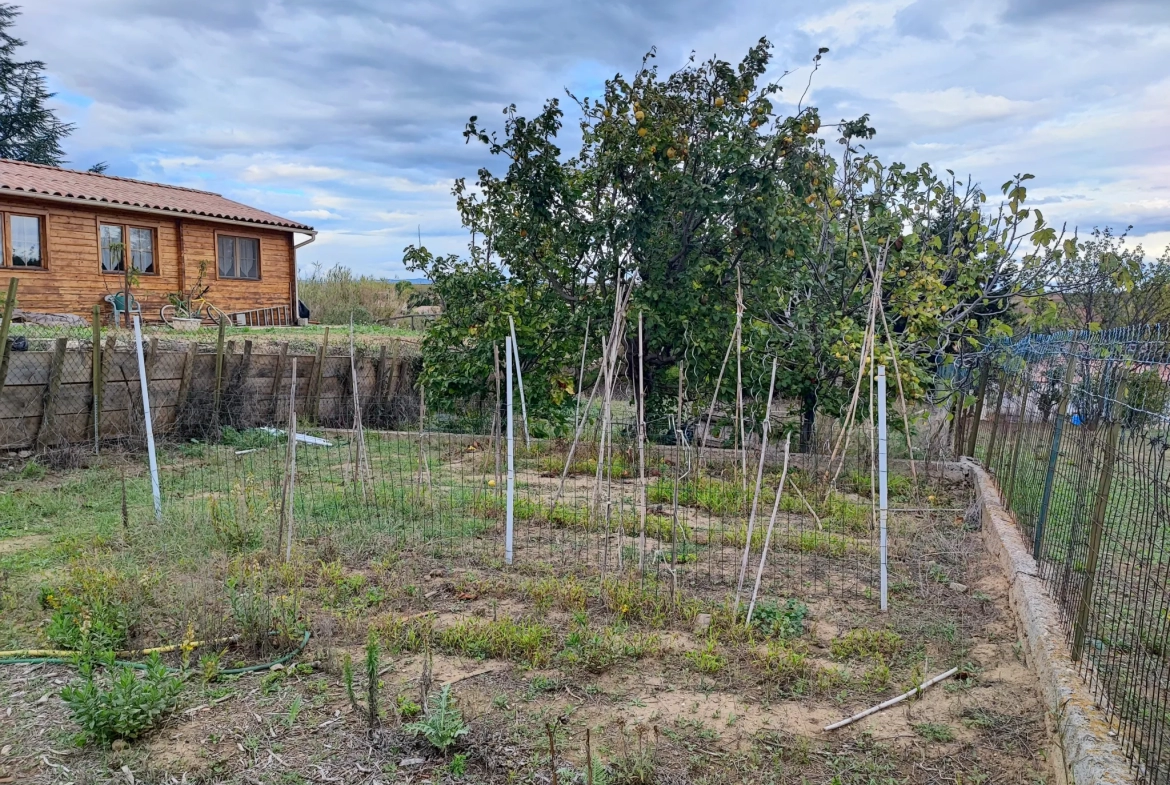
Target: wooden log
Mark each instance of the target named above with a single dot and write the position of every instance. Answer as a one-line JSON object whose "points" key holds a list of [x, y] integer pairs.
{"points": [[45, 433]]}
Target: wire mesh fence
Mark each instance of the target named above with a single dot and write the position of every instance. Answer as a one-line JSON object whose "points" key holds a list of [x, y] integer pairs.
{"points": [[1074, 427], [430, 475]]}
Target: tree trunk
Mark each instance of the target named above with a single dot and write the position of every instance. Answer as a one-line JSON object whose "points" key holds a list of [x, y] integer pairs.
{"points": [[808, 419]]}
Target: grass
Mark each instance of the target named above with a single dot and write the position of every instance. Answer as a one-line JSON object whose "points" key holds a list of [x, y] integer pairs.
{"points": [[421, 565]]}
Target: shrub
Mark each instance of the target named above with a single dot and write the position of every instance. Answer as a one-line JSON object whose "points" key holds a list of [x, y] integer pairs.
{"points": [[443, 724], [122, 705], [95, 606], [266, 620]]}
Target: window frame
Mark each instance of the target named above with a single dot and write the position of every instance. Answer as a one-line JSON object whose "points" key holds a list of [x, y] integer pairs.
{"points": [[6, 228], [126, 226], [259, 256]]}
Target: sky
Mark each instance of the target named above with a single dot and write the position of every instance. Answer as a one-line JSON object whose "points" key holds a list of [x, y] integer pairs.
{"points": [[348, 114]]}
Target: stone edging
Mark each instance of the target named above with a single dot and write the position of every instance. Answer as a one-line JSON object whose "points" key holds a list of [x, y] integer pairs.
{"points": [[1090, 753]]}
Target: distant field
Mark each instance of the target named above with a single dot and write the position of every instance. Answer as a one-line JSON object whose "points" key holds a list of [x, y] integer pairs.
{"points": [[336, 295]]}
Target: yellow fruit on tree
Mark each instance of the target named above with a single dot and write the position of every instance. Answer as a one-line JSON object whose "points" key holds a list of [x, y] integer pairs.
{"points": [[670, 152], [642, 132], [491, 483], [639, 115], [719, 101], [754, 124]]}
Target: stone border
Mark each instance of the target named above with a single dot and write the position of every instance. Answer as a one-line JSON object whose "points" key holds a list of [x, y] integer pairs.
{"points": [[1090, 753]]}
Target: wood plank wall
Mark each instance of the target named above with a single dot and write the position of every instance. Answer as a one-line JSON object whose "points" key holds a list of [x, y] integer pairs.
{"points": [[73, 281], [181, 384]]}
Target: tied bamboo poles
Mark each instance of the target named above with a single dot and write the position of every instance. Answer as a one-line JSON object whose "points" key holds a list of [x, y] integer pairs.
{"points": [[759, 481], [290, 470], [361, 465]]}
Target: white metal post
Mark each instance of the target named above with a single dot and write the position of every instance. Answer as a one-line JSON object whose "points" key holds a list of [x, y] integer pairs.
{"points": [[883, 482], [511, 494], [519, 380], [146, 416]]}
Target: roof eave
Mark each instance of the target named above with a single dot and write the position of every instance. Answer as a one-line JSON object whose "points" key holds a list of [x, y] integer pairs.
{"points": [[170, 213]]}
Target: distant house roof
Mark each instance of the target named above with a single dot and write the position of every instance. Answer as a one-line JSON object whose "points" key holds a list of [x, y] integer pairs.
{"points": [[36, 179]]}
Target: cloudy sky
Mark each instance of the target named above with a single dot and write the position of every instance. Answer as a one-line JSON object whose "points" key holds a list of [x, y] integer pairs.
{"points": [[347, 114]]}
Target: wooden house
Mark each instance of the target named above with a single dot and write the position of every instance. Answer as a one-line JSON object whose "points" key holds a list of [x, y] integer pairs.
{"points": [[67, 235]]}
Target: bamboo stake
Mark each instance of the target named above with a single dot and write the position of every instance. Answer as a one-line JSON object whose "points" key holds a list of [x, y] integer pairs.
{"points": [[756, 496], [496, 417], [768, 535], [715, 396], [893, 701], [519, 380], [424, 468], [577, 435], [290, 469], [581, 377], [740, 434], [361, 462]]}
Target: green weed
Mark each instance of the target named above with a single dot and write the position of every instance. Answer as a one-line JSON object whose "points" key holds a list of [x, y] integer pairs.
{"points": [[443, 724], [121, 705], [523, 641], [934, 731], [864, 642]]}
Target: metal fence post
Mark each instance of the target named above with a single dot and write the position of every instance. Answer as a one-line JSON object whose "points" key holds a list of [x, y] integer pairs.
{"points": [[142, 380], [1011, 489], [1097, 525], [509, 506], [978, 413], [883, 484], [1049, 476]]}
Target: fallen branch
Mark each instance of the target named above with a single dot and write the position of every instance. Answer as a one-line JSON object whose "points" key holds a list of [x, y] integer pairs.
{"points": [[892, 701]]}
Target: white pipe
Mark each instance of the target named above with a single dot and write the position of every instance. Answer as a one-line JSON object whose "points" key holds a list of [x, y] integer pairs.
{"points": [[146, 416], [883, 484], [511, 495], [519, 380]]}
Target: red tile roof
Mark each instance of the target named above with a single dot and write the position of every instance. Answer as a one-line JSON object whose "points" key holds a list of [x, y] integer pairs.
{"points": [[36, 179]]}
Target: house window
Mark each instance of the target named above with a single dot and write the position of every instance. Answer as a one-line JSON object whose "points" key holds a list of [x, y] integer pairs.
{"points": [[117, 240], [25, 246], [239, 257]]}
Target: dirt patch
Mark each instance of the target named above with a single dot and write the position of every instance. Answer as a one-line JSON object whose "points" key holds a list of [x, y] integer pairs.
{"points": [[27, 542]]}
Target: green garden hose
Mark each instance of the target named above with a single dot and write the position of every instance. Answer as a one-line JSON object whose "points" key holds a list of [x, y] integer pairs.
{"points": [[142, 666]]}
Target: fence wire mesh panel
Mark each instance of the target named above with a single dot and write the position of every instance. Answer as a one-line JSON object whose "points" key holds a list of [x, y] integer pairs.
{"points": [[431, 475], [1074, 427]]}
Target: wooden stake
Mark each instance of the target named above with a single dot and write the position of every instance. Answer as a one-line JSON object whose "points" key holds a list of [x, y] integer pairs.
{"points": [[588, 757], [49, 411], [715, 395], [361, 462], [318, 377], [281, 360], [5, 325], [552, 751]]}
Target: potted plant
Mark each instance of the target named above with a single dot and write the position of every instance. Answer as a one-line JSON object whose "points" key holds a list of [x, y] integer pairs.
{"points": [[184, 310]]}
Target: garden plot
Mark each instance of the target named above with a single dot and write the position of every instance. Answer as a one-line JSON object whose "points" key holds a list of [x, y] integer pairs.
{"points": [[488, 673]]}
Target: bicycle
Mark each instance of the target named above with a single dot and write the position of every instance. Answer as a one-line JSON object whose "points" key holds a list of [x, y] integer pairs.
{"points": [[194, 309]]}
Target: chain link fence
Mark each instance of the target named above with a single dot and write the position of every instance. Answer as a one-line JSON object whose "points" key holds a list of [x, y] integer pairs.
{"points": [[1075, 428]]}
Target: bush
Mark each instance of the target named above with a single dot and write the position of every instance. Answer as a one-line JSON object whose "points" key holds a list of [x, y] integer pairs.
{"points": [[864, 642], [122, 705]]}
